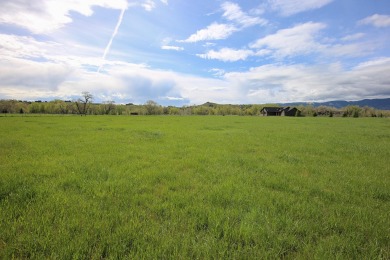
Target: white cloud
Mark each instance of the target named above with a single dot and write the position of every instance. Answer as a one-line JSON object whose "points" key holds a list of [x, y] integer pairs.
{"points": [[232, 55], [45, 16], [353, 37], [27, 47], [51, 76], [305, 39], [288, 83], [219, 31], [348, 50], [215, 31], [149, 5], [263, 52], [142, 83], [376, 20], [227, 54], [174, 98], [166, 45], [291, 7], [299, 39], [209, 44], [26, 79], [233, 12], [170, 47], [24, 46], [32, 69], [217, 72]]}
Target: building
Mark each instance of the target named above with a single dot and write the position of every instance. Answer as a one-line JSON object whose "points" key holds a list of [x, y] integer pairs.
{"points": [[279, 111]]}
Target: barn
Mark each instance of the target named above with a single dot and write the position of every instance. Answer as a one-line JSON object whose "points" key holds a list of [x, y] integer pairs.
{"points": [[279, 111]]}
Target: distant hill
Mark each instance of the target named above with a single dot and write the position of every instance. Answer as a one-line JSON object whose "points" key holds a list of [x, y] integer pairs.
{"points": [[383, 104]]}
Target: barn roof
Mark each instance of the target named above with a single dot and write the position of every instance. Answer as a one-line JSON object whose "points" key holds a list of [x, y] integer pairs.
{"points": [[278, 109], [273, 109]]}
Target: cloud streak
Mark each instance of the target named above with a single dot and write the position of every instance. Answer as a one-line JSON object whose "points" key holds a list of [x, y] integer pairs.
{"points": [[107, 49]]}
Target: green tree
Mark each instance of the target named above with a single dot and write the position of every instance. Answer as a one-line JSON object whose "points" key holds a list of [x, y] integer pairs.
{"points": [[152, 108], [5, 106], [108, 107], [352, 111], [298, 113], [173, 110]]}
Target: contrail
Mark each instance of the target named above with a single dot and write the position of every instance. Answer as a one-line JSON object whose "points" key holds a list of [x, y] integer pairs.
{"points": [[112, 37]]}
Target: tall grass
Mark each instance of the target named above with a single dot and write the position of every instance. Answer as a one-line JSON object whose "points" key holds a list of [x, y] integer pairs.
{"points": [[194, 187]]}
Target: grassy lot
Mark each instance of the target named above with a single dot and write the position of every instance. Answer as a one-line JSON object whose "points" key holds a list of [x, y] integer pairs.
{"points": [[194, 187]]}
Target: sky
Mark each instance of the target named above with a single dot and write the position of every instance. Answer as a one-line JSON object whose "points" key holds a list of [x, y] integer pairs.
{"points": [[178, 52]]}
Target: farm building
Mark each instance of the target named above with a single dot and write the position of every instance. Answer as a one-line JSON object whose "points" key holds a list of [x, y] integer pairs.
{"points": [[279, 111]]}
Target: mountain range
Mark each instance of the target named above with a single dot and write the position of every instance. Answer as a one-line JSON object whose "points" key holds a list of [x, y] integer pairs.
{"points": [[382, 104]]}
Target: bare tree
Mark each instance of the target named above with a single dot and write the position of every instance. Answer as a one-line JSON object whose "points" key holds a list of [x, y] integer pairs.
{"points": [[84, 103]]}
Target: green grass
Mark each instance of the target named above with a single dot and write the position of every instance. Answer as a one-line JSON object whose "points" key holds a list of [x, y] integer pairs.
{"points": [[194, 187]]}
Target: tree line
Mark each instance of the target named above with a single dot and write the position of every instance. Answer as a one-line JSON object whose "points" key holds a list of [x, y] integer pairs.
{"points": [[85, 106]]}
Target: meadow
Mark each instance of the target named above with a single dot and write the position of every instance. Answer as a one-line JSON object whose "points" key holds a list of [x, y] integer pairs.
{"points": [[194, 187]]}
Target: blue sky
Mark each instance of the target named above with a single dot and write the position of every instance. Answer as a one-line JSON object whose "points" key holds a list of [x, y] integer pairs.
{"points": [[179, 52]]}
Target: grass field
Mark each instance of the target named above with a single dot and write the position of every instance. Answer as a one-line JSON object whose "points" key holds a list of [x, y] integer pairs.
{"points": [[194, 187]]}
